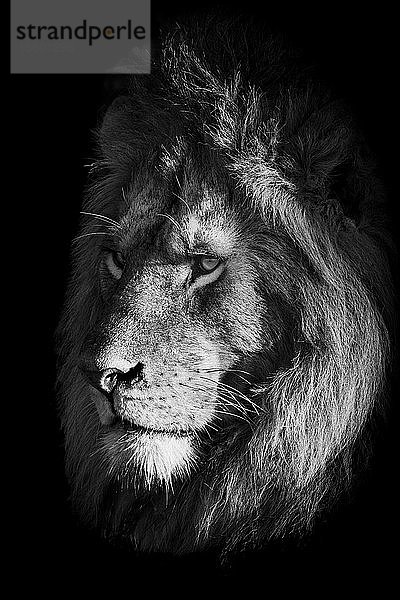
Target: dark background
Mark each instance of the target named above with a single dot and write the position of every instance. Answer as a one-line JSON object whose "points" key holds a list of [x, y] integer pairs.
{"points": [[52, 119]]}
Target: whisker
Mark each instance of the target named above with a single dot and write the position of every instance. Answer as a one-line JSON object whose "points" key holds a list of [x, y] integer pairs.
{"points": [[243, 396], [225, 412], [178, 182], [102, 217], [207, 427], [124, 195], [234, 392], [227, 371], [172, 221], [235, 371], [217, 396], [89, 234], [227, 402], [213, 394], [184, 202], [239, 376], [176, 390]]}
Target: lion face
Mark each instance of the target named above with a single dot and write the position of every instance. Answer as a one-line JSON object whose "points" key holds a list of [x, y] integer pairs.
{"points": [[175, 352]]}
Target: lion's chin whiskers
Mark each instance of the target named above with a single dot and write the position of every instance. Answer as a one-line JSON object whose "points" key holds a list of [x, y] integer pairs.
{"points": [[153, 458]]}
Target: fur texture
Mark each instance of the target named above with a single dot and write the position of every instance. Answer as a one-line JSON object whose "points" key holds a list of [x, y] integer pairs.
{"points": [[259, 380]]}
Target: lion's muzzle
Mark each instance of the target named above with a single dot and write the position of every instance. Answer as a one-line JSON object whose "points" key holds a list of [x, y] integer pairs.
{"points": [[172, 400]]}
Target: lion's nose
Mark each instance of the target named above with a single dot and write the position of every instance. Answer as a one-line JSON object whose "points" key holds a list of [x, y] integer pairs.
{"points": [[105, 380]]}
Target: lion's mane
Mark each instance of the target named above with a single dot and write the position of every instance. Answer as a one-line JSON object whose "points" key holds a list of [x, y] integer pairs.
{"points": [[295, 155]]}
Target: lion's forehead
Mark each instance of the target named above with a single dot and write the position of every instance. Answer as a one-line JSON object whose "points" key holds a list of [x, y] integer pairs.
{"points": [[199, 216]]}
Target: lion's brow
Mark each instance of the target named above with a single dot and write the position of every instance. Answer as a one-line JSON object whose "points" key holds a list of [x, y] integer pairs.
{"points": [[210, 238]]}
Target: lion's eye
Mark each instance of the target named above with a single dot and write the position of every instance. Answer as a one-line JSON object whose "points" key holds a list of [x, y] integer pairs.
{"points": [[205, 270], [115, 263], [208, 264]]}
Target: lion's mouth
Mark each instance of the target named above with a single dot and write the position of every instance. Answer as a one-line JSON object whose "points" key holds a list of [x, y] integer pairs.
{"points": [[134, 427], [129, 427]]}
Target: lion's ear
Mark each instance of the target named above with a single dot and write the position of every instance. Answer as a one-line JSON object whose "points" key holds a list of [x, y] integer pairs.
{"points": [[328, 159], [116, 132]]}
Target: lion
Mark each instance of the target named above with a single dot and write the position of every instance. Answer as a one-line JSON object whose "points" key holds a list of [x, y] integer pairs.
{"points": [[225, 344]]}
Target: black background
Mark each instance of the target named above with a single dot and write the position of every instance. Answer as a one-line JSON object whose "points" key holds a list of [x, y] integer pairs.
{"points": [[52, 118]]}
